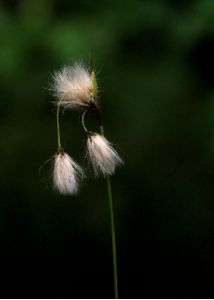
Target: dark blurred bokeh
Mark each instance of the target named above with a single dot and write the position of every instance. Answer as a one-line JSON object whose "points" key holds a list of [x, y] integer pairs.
{"points": [[155, 68]]}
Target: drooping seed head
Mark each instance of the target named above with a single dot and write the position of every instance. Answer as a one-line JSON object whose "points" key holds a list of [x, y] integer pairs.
{"points": [[66, 174], [74, 87], [103, 157]]}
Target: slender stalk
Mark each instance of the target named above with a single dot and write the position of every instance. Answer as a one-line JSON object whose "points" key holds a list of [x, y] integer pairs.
{"points": [[113, 239], [114, 252], [111, 214], [58, 127], [83, 121]]}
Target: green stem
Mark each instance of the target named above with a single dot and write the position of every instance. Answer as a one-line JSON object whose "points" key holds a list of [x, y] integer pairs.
{"points": [[113, 239], [58, 127], [83, 121], [111, 212]]}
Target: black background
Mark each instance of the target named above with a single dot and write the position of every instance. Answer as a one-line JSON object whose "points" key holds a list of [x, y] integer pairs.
{"points": [[154, 62]]}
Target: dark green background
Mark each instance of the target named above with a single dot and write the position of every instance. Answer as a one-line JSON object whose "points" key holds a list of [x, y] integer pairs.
{"points": [[155, 68]]}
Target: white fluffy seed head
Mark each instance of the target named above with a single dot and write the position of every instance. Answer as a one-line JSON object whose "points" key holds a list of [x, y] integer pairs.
{"points": [[102, 155], [66, 174], [74, 87]]}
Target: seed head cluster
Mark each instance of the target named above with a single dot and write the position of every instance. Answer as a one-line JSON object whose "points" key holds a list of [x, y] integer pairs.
{"points": [[66, 174], [102, 155], [74, 87]]}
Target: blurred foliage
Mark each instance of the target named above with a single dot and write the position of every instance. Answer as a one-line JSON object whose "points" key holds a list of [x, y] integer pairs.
{"points": [[155, 66]]}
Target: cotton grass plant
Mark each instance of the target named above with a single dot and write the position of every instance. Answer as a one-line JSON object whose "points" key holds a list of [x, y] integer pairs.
{"points": [[66, 173], [75, 88]]}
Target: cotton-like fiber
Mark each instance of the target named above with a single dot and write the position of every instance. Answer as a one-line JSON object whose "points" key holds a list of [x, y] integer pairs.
{"points": [[102, 155], [66, 174], [73, 87]]}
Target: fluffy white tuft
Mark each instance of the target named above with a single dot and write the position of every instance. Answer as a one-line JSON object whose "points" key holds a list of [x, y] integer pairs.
{"points": [[73, 86], [66, 174], [103, 156]]}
